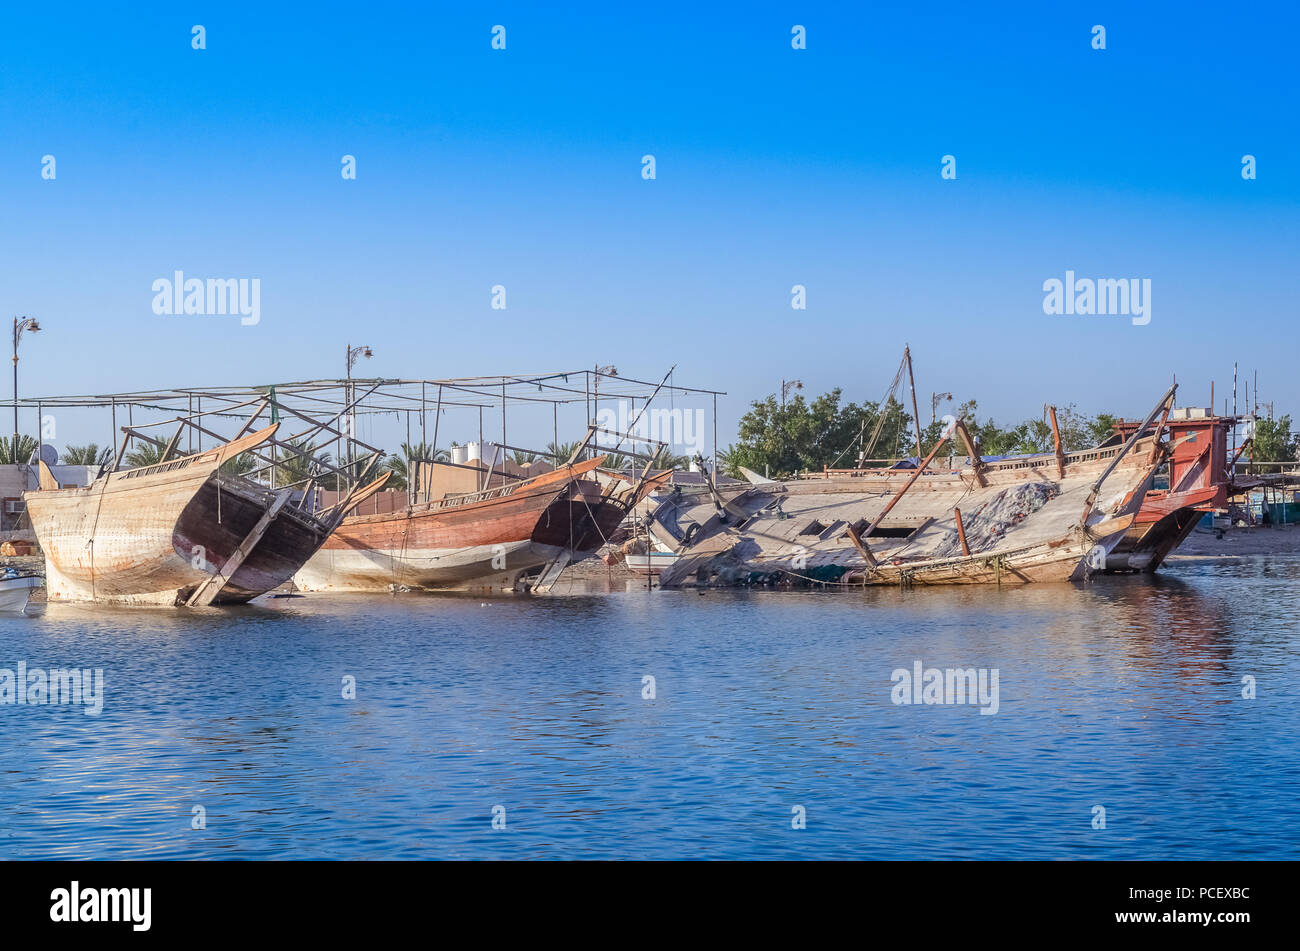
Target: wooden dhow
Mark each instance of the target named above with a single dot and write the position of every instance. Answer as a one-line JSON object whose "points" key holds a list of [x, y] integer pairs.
{"points": [[503, 535], [1039, 518], [180, 531]]}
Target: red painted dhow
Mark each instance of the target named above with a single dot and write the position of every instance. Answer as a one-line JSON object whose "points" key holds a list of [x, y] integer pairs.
{"points": [[513, 536]]}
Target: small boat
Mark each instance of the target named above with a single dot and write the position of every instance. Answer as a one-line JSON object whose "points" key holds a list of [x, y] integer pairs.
{"points": [[16, 591], [176, 532], [650, 563]]}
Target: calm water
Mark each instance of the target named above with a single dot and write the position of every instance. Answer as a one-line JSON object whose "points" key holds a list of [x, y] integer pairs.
{"points": [[1125, 693]]}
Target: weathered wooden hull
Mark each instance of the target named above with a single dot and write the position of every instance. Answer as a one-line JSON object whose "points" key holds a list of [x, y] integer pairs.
{"points": [[485, 543], [153, 535], [798, 531]]}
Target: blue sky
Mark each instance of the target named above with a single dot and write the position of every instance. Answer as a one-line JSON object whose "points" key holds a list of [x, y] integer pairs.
{"points": [[775, 167]]}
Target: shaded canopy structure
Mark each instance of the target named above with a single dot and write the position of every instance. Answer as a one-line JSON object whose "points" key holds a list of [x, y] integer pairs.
{"points": [[335, 418]]}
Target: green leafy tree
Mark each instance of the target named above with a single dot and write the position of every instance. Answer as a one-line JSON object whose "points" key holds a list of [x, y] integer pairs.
{"points": [[1274, 441], [1100, 429], [782, 440]]}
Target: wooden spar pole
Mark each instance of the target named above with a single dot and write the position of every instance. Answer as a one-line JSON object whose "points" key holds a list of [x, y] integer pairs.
{"points": [[916, 416], [1056, 444], [899, 494], [961, 532], [251, 419], [1155, 447], [1132, 440], [977, 464], [437, 417]]}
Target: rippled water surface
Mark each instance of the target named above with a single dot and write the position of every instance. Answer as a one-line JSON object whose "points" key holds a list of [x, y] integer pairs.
{"points": [[1125, 693]]}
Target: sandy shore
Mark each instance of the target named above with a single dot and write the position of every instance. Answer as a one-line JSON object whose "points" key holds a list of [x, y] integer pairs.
{"points": [[1277, 540]]}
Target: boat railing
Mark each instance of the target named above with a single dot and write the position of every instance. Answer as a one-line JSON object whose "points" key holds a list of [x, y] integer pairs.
{"points": [[1031, 461], [157, 467], [453, 501]]}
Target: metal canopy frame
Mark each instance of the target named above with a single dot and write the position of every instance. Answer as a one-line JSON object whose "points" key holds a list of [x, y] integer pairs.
{"points": [[332, 407]]}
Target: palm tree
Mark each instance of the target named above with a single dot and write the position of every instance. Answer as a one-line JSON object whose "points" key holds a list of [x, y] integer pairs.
{"points": [[90, 455], [616, 460], [522, 458], [423, 452], [26, 446], [664, 459], [559, 454], [400, 477], [145, 454], [300, 468], [399, 464], [243, 463]]}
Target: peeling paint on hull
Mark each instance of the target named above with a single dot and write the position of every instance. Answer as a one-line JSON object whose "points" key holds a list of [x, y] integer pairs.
{"points": [[152, 535], [485, 544]]}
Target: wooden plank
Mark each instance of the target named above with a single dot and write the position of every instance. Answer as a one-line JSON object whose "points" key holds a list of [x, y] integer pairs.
{"points": [[861, 546], [551, 573], [207, 592], [171, 446], [1056, 444], [899, 494], [977, 464]]}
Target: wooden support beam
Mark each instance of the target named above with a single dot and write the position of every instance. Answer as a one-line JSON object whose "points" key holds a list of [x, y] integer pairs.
{"points": [[1155, 446], [899, 494], [121, 451], [961, 532], [252, 419], [976, 463], [861, 546], [207, 592], [1056, 444], [1164, 404], [171, 446]]}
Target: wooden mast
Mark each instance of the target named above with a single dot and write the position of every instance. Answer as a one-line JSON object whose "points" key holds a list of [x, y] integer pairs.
{"points": [[907, 356]]}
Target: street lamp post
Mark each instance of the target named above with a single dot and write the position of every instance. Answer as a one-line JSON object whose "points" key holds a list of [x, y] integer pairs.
{"points": [[353, 354], [21, 324], [786, 387]]}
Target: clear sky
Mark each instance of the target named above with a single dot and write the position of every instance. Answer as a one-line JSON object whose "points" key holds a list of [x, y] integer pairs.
{"points": [[775, 167]]}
